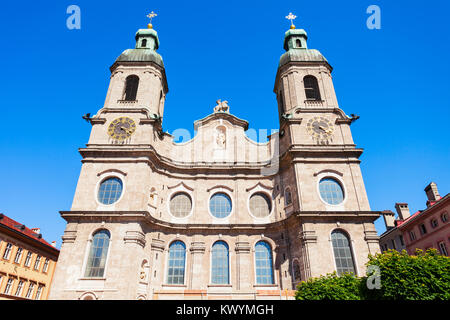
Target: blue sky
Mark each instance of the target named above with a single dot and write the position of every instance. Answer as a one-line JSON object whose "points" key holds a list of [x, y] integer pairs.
{"points": [[395, 79]]}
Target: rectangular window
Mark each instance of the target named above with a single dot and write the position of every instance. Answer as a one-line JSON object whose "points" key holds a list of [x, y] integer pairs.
{"points": [[422, 228], [7, 251], [8, 286], [28, 259], [37, 262], [19, 289], [412, 235], [18, 255], [400, 237], [393, 244], [443, 248], [30, 291], [38, 293], [45, 268]]}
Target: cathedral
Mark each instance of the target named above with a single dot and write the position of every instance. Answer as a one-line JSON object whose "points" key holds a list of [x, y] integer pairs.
{"points": [[219, 216]]}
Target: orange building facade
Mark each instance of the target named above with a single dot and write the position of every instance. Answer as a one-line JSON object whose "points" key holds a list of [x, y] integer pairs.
{"points": [[27, 262]]}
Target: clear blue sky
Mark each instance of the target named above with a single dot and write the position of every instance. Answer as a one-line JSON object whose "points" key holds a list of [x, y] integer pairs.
{"points": [[395, 78]]}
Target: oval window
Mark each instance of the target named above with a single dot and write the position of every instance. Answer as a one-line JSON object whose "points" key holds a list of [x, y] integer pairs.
{"points": [[220, 205], [110, 190], [260, 205], [180, 205], [331, 191]]}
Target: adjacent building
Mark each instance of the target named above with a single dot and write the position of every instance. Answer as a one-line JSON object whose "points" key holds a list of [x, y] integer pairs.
{"points": [[428, 228], [27, 262], [219, 216]]}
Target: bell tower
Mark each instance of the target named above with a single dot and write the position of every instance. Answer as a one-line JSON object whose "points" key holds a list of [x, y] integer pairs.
{"points": [[138, 78]]}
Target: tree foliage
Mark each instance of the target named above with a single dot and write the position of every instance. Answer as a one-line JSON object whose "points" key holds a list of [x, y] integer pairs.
{"points": [[424, 276]]}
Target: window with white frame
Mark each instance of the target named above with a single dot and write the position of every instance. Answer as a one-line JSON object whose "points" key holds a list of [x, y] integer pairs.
{"points": [[260, 205], [37, 262], [434, 223], [412, 235], [98, 253], [263, 263], [28, 259], [180, 205], [18, 255], [7, 251], [444, 217], [9, 285], [176, 263], [219, 263], [19, 289], [342, 252], [443, 248], [45, 268], [38, 292], [30, 291]]}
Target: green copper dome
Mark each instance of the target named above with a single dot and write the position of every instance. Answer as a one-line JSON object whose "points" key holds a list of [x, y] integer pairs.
{"points": [[147, 43], [295, 44]]}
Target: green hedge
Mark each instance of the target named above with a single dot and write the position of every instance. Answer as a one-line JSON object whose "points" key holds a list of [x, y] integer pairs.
{"points": [[424, 276]]}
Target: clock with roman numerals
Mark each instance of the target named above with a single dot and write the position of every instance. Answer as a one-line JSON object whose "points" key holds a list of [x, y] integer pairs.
{"points": [[121, 128], [321, 129]]}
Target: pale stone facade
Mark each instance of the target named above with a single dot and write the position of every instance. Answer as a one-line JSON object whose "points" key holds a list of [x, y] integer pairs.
{"points": [[219, 159]]}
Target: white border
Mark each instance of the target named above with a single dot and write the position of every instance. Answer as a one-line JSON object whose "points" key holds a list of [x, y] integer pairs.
{"points": [[352, 249], [338, 178], [166, 269], [259, 189], [215, 191], [104, 177], [210, 264], [272, 249], [180, 189], [88, 249]]}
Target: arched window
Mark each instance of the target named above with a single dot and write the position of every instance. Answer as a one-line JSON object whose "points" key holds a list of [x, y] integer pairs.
{"points": [[342, 252], [131, 87], [144, 43], [220, 205], [263, 263], [298, 43], [287, 197], [219, 263], [110, 191], [176, 263], [311, 88], [331, 191], [296, 270], [97, 255]]}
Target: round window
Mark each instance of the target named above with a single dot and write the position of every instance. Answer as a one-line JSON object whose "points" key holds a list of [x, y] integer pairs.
{"points": [[331, 191], [110, 190], [180, 205], [220, 205], [260, 205]]}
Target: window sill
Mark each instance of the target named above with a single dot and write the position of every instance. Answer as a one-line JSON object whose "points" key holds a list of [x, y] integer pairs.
{"points": [[174, 285], [85, 278], [221, 285], [265, 285]]}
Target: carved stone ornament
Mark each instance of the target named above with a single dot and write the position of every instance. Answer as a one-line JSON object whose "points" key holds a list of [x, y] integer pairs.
{"points": [[222, 106]]}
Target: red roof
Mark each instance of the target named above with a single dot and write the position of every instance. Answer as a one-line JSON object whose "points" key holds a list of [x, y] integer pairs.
{"points": [[16, 226]]}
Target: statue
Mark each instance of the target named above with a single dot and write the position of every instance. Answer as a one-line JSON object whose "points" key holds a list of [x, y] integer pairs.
{"points": [[222, 106]]}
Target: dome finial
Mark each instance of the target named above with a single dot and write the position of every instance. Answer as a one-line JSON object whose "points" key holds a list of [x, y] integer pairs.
{"points": [[151, 15], [291, 17]]}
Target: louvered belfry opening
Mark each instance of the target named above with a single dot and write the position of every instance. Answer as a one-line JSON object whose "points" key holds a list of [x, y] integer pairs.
{"points": [[311, 88], [131, 88]]}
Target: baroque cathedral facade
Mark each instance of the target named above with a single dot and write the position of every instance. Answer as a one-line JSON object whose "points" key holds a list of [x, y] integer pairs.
{"points": [[219, 216]]}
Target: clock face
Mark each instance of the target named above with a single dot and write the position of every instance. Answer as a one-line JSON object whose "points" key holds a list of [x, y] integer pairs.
{"points": [[121, 128], [320, 128]]}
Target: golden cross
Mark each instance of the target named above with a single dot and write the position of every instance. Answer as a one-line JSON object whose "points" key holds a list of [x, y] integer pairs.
{"points": [[291, 17], [151, 15]]}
